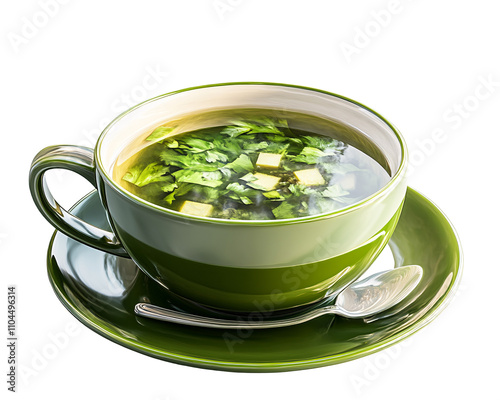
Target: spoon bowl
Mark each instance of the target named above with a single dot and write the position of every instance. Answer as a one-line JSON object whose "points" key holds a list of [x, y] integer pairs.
{"points": [[378, 292], [361, 299]]}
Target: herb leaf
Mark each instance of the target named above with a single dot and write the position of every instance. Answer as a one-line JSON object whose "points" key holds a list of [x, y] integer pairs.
{"points": [[228, 147], [242, 164], [309, 155], [169, 187], [196, 145], [190, 161], [215, 155], [171, 143], [211, 179], [235, 131], [277, 147], [284, 210], [274, 195], [321, 142], [139, 176], [334, 192], [262, 125], [298, 189], [241, 193], [340, 168], [183, 188], [160, 133], [251, 147]]}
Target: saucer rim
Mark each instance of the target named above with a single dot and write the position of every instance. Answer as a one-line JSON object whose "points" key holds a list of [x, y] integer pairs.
{"points": [[166, 355]]}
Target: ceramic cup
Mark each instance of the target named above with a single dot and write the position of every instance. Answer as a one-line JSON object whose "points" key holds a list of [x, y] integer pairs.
{"points": [[232, 265]]}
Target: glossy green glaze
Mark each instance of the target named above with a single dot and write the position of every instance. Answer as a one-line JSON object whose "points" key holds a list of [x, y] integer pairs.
{"points": [[80, 160], [310, 267], [246, 289], [234, 265], [101, 290]]}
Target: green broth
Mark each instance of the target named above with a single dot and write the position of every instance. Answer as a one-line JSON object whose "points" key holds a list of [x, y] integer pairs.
{"points": [[252, 165]]}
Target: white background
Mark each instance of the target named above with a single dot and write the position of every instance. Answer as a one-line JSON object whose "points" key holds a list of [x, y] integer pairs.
{"points": [[70, 69]]}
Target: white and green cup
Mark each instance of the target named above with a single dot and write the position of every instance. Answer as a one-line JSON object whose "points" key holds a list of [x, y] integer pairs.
{"points": [[233, 265]]}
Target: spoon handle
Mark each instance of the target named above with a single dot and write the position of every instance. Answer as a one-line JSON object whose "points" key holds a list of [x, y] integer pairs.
{"points": [[255, 322]]}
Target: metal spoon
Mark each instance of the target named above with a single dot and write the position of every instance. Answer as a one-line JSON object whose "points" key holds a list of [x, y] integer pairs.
{"points": [[362, 299]]}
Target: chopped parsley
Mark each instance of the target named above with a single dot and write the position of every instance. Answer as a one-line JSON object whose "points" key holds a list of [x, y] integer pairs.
{"points": [[218, 166]]}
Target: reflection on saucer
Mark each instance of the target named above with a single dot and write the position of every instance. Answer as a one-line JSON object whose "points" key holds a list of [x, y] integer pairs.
{"points": [[101, 290], [102, 273]]}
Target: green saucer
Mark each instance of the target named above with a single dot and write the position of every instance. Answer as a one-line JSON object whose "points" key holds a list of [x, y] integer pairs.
{"points": [[101, 291]]}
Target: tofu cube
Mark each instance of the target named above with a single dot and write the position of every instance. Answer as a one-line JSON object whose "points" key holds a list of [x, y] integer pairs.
{"points": [[269, 160], [310, 177], [348, 182], [198, 209], [267, 182]]}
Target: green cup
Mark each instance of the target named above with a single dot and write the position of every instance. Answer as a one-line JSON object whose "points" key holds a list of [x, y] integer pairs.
{"points": [[247, 266]]}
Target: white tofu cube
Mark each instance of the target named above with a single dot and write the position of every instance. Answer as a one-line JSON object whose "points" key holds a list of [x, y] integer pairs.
{"points": [[269, 160], [310, 177], [267, 182], [198, 209], [348, 182]]}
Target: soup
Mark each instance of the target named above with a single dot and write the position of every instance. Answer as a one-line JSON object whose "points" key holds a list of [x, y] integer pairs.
{"points": [[252, 165]]}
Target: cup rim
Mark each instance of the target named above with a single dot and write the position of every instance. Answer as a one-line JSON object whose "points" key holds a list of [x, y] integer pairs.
{"points": [[398, 176]]}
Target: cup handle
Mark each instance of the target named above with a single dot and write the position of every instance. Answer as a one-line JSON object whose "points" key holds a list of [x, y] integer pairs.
{"points": [[78, 159]]}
